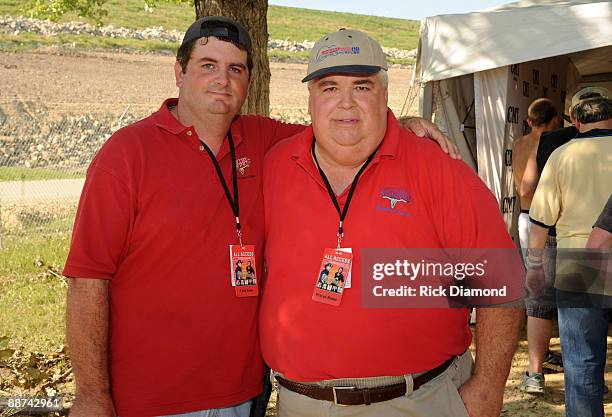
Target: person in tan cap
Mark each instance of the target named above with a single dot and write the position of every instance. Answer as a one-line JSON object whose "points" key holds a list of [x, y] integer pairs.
{"points": [[574, 186], [358, 181], [551, 140]]}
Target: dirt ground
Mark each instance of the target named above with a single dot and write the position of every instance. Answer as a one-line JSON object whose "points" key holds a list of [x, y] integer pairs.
{"points": [[70, 82]]}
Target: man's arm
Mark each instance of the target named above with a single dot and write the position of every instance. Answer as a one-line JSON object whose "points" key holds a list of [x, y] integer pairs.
{"points": [[535, 280], [543, 214], [87, 318], [600, 239], [601, 236], [529, 182], [497, 331], [537, 239]]}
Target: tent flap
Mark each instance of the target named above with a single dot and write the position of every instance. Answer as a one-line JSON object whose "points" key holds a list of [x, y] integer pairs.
{"points": [[453, 45]]}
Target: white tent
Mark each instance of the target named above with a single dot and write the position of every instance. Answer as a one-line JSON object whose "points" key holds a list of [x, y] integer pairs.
{"points": [[478, 73]]}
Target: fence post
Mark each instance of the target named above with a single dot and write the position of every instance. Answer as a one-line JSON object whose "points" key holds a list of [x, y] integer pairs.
{"points": [[120, 122]]}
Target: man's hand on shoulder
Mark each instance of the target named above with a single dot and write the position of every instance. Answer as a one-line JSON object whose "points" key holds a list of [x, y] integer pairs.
{"points": [[93, 405], [424, 128], [481, 398]]}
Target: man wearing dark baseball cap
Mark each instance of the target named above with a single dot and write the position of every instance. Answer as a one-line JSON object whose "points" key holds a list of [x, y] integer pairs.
{"points": [[155, 323], [358, 181], [223, 28]]}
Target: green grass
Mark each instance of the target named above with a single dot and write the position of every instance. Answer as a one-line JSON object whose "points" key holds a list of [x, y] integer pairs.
{"points": [[283, 22], [32, 303], [29, 174], [12, 7], [283, 55], [32, 299], [303, 55], [28, 41], [298, 25]]}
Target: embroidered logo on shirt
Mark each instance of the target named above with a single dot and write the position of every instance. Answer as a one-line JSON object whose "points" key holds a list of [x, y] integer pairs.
{"points": [[394, 200], [242, 164]]}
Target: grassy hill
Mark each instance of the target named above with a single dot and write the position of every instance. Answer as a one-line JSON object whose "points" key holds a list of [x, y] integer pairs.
{"points": [[295, 24], [283, 23]]}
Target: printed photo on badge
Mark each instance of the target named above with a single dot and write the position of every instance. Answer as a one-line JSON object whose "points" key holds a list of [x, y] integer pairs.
{"points": [[244, 272], [242, 266], [331, 281]]}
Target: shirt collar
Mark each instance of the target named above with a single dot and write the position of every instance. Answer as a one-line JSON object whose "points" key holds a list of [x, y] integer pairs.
{"points": [[164, 119], [595, 133]]}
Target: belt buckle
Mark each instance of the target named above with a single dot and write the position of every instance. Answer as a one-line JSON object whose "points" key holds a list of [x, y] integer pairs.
{"points": [[336, 395]]}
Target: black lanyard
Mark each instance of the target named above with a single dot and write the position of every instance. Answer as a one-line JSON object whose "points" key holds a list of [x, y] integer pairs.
{"points": [[342, 213], [233, 202]]}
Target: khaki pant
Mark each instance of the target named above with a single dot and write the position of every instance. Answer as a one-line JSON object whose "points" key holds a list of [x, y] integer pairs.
{"points": [[438, 398]]}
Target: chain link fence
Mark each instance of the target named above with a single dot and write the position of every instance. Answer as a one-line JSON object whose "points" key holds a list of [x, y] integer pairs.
{"points": [[43, 160]]}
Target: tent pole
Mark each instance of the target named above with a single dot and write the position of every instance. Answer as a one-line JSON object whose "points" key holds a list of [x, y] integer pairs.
{"points": [[425, 101]]}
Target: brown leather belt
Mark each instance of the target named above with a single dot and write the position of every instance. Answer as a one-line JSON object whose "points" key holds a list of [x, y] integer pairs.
{"points": [[359, 396]]}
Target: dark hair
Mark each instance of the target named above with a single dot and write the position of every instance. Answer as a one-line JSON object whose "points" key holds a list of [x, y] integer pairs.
{"points": [[541, 112], [183, 55], [593, 110]]}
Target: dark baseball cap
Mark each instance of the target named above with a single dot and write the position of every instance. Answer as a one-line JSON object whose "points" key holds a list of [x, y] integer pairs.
{"points": [[220, 27]]}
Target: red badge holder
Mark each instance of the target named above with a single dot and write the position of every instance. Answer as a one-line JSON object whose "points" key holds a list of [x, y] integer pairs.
{"points": [[331, 280], [244, 270]]}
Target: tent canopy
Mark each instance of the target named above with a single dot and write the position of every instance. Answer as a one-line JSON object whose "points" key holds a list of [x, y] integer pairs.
{"points": [[478, 72], [454, 45]]}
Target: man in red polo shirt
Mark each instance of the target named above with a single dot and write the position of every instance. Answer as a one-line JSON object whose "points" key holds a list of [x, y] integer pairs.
{"points": [[357, 181], [156, 325]]}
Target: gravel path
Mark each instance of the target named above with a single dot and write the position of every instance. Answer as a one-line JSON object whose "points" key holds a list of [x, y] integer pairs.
{"points": [[30, 191]]}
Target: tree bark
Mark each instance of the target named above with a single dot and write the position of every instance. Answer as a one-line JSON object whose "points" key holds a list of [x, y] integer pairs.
{"points": [[253, 15]]}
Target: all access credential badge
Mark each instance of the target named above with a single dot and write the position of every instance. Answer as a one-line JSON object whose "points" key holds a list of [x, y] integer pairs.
{"points": [[331, 279], [244, 275]]}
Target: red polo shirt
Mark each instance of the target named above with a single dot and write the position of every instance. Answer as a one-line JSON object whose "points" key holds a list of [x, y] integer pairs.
{"points": [[153, 218], [449, 207]]}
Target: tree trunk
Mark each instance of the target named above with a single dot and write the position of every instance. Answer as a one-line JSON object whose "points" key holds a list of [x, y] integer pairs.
{"points": [[253, 15]]}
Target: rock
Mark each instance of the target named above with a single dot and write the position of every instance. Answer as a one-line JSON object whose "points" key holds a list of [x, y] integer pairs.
{"points": [[17, 24]]}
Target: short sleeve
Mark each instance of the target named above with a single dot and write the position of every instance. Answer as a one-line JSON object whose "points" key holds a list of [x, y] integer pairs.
{"points": [[473, 218], [546, 203], [474, 225], [101, 228]]}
